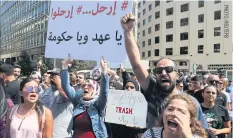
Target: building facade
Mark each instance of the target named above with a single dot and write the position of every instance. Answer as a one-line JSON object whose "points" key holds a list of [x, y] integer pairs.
{"points": [[23, 28], [196, 34]]}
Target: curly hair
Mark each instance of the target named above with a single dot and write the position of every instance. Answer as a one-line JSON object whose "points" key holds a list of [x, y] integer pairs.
{"points": [[195, 125]]}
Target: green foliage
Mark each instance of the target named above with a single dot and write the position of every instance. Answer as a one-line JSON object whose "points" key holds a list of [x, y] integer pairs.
{"points": [[46, 64], [82, 65], [25, 63]]}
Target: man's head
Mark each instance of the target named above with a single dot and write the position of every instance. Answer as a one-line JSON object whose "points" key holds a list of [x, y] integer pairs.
{"points": [[213, 80], [166, 75], [53, 73], [46, 78], [196, 82], [17, 71], [6, 71], [179, 85], [36, 76], [96, 75], [80, 78], [72, 77]]}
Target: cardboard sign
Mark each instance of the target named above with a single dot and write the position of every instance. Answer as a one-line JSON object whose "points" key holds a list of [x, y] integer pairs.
{"points": [[126, 108], [87, 30]]}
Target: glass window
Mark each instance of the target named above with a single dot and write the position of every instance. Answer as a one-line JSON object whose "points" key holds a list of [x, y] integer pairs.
{"points": [[184, 7], [143, 43], [143, 54], [200, 33], [157, 14], [184, 22], [184, 36], [200, 18], [169, 24], [157, 40], [183, 50], [200, 49], [149, 53], [156, 52], [216, 48], [149, 30], [157, 27], [217, 15], [169, 51], [149, 42], [217, 31], [157, 3], [150, 7], [169, 11], [149, 18], [169, 38]]}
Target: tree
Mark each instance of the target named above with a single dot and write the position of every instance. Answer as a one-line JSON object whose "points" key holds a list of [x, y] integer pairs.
{"points": [[25, 63], [82, 65], [44, 64]]}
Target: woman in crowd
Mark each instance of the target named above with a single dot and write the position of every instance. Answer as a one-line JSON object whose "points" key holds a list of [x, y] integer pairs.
{"points": [[121, 131], [6, 104], [29, 119], [178, 120], [216, 115], [88, 116]]}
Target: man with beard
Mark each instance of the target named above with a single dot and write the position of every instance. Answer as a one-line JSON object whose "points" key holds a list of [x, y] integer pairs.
{"points": [[96, 75], [56, 100], [155, 91], [80, 79]]}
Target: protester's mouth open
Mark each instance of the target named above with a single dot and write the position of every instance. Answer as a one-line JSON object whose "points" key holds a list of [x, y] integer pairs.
{"points": [[85, 92], [165, 81], [172, 125], [33, 96]]}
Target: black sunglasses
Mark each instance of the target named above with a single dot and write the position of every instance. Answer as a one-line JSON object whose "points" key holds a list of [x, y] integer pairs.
{"points": [[159, 70], [29, 89], [214, 82]]}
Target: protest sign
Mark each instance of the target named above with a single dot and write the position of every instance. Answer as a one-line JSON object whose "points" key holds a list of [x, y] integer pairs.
{"points": [[126, 108], [87, 30]]}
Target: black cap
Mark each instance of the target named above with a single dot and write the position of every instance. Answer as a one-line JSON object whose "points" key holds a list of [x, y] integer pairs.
{"points": [[7, 69], [55, 71]]}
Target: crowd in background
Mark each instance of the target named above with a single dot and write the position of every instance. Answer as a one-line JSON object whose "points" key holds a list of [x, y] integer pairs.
{"points": [[63, 104]]}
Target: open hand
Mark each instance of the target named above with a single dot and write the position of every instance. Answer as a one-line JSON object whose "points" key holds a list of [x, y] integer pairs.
{"points": [[104, 66], [67, 63], [184, 125]]}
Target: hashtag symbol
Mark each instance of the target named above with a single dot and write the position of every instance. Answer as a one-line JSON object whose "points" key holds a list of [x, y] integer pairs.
{"points": [[124, 5], [79, 10]]}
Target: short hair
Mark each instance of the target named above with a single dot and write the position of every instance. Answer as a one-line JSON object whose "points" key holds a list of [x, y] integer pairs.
{"points": [[17, 66], [162, 58], [7, 69], [81, 73], [36, 73], [197, 78]]}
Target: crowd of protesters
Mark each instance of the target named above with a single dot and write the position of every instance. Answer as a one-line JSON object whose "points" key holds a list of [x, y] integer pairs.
{"points": [[63, 104]]}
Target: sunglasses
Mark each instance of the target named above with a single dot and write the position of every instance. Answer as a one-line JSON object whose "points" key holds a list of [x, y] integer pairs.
{"points": [[131, 87], [168, 69], [214, 82], [29, 89]]}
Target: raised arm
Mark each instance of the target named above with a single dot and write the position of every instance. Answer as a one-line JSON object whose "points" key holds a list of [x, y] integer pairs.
{"points": [[73, 95], [104, 88], [133, 53]]}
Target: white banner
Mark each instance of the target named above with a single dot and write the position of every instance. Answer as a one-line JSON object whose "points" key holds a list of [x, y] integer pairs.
{"points": [[126, 108], [87, 30]]}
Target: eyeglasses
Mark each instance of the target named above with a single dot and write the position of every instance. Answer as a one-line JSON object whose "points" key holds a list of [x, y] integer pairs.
{"points": [[29, 89], [215, 82], [131, 87], [168, 69]]}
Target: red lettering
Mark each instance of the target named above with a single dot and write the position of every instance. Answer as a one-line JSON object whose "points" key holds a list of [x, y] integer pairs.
{"points": [[124, 110], [130, 111]]}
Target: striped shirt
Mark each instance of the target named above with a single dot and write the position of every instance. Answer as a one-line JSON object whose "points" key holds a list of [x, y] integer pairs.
{"points": [[157, 132]]}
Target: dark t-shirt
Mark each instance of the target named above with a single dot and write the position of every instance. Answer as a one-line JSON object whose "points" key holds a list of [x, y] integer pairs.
{"points": [[221, 99], [197, 95], [216, 116], [12, 91]]}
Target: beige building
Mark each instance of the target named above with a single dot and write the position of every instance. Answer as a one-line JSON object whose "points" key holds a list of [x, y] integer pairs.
{"points": [[189, 32]]}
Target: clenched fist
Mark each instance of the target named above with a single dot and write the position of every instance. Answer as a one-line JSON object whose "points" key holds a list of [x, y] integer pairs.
{"points": [[128, 22]]}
